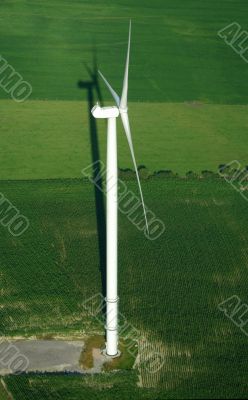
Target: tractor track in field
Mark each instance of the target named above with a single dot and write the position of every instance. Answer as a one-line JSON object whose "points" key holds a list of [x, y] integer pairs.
{"points": [[6, 391]]}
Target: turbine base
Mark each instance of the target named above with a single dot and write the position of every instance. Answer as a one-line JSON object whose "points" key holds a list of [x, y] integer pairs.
{"points": [[104, 352]]}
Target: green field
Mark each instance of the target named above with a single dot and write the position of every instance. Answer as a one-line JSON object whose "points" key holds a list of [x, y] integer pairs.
{"points": [[176, 53], [42, 139], [187, 93], [170, 294], [188, 110]]}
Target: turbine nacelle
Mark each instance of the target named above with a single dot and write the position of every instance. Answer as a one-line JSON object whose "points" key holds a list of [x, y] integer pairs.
{"points": [[105, 112]]}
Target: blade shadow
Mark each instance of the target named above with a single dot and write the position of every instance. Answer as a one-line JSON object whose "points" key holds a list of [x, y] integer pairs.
{"points": [[92, 86]]}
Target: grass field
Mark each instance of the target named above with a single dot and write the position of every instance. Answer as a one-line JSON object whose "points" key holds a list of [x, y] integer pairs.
{"points": [[188, 101], [175, 287], [183, 59], [51, 139]]}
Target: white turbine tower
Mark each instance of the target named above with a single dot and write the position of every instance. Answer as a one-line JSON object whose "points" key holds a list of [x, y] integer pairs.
{"points": [[111, 113]]}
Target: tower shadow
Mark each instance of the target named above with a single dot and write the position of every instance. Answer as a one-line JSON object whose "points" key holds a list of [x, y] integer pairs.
{"points": [[92, 86]]}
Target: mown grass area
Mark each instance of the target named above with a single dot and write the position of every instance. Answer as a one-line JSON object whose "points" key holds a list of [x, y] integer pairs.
{"points": [[124, 362], [51, 139], [169, 288], [176, 52]]}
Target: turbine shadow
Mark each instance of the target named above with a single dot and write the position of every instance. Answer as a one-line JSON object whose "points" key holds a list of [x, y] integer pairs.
{"points": [[92, 86]]}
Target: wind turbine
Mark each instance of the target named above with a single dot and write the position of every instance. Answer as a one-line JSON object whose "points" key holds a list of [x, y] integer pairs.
{"points": [[111, 113]]}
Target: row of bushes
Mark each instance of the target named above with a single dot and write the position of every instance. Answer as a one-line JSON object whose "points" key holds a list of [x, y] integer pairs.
{"points": [[223, 170], [227, 171]]}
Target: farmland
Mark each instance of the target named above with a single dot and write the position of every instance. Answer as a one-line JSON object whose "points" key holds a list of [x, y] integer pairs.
{"points": [[48, 42], [184, 72], [51, 139], [175, 287], [188, 105]]}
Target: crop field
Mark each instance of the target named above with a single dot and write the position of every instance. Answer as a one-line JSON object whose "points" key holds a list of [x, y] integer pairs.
{"points": [[188, 106], [175, 287]]}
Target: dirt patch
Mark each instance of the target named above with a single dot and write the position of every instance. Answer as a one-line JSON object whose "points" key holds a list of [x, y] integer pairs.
{"points": [[86, 359]]}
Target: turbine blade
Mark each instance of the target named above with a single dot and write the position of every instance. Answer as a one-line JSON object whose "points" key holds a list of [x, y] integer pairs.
{"points": [[123, 103], [125, 121], [114, 94]]}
